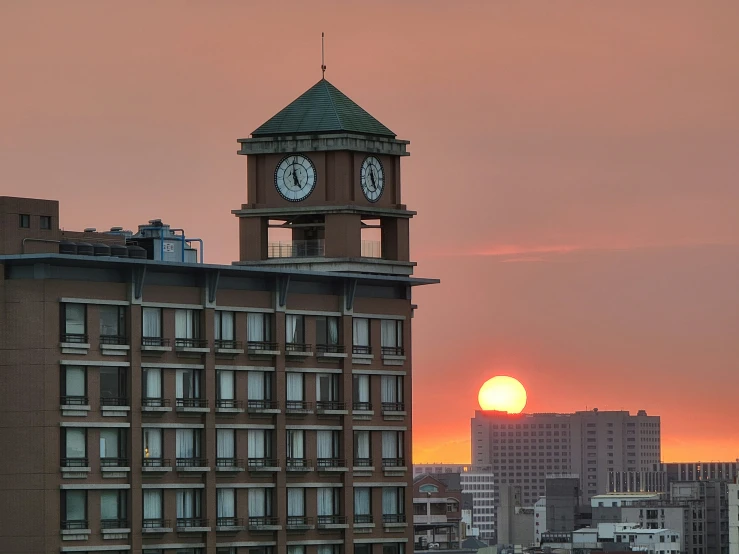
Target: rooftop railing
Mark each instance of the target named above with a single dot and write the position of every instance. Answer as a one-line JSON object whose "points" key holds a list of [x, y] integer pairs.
{"points": [[316, 248]]}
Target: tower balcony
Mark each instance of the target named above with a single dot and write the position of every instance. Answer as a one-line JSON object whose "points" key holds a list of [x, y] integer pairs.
{"points": [[316, 248]]}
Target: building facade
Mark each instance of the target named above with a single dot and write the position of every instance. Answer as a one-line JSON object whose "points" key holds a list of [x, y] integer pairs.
{"points": [[155, 405], [437, 514]]}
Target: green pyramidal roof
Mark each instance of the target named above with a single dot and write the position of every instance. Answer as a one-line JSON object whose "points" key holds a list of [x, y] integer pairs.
{"points": [[322, 109]]}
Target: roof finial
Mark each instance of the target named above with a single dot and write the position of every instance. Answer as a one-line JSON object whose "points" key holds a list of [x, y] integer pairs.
{"points": [[323, 61]]}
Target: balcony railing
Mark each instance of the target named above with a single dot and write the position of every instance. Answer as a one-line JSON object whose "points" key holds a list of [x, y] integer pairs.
{"points": [[392, 351], [297, 463], [191, 462], [156, 462], [330, 348], [297, 406], [230, 521], [155, 402], [119, 523], [362, 406], [393, 462], [330, 405], [190, 343], [229, 462], [393, 518], [254, 345], [70, 524], [230, 403], [192, 403], [362, 462], [363, 518], [261, 463], [187, 522], [113, 339], [155, 523], [73, 401], [228, 344], [113, 462], [75, 462], [298, 347], [298, 522], [330, 462], [73, 338], [259, 522], [393, 406], [154, 341], [297, 249], [259, 405], [114, 401], [333, 519], [361, 349]]}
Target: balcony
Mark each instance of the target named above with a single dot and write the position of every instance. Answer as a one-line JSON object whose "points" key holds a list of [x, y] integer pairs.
{"points": [[331, 407], [261, 349], [394, 520], [298, 465], [115, 528], [74, 343], [393, 355], [331, 464], [75, 530], [190, 346], [156, 525], [263, 465], [363, 520], [316, 248], [229, 465], [298, 408], [115, 406], [299, 523], [232, 524], [394, 466], [362, 410], [228, 348], [263, 407], [114, 467], [330, 351], [332, 522], [114, 345], [75, 468], [74, 406], [229, 406], [192, 465], [192, 405], [298, 350], [155, 405], [393, 410], [362, 354], [192, 525], [363, 467], [156, 465], [155, 345], [264, 524]]}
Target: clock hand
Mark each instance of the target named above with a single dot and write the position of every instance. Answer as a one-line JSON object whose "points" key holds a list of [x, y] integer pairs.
{"points": [[295, 180]]}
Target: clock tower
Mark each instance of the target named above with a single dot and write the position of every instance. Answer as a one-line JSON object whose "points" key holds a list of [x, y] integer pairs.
{"points": [[327, 174]]}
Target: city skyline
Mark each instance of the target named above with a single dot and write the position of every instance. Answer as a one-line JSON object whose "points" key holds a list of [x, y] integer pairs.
{"points": [[573, 176]]}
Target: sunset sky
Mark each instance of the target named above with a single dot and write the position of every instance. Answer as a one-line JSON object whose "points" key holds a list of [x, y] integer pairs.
{"points": [[574, 167]]}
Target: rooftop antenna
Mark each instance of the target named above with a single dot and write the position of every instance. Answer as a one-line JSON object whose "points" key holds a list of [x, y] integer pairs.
{"points": [[323, 60]]}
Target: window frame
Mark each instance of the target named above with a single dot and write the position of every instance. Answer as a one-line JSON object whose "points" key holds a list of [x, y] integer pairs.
{"points": [[65, 336], [120, 522], [45, 219], [64, 398], [121, 399], [396, 349], [65, 522], [68, 461], [120, 337]]}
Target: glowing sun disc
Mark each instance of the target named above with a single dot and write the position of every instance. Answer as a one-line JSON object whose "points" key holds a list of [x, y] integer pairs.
{"points": [[502, 394]]}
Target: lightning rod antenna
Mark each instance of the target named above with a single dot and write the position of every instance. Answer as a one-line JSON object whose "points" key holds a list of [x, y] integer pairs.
{"points": [[323, 59]]}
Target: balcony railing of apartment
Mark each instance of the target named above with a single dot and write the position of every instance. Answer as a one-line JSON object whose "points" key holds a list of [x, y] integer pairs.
{"points": [[363, 518], [392, 350], [393, 462], [154, 341], [330, 462], [230, 403], [114, 401], [260, 463], [298, 522], [333, 519], [393, 406], [298, 347], [230, 521], [70, 524], [118, 523], [257, 405], [297, 406], [330, 405], [113, 462], [362, 406], [361, 349], [362, 462], [75, 462], [254, 345], [113, 339], [330, 348], [229, 344], [259, 522], [155, 523], [191, 402], [155, 402], [73, 338], [393, 518], [229, 462], [73, 401], [191, 462], [297, 463], [191, 343], [156, 462], [186, 522]]}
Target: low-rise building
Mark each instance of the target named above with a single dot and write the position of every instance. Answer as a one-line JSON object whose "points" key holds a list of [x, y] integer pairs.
{"points": [[437, 513]]}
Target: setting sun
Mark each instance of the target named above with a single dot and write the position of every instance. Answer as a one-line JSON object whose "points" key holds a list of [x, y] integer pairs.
{"points": [[502, 394]]}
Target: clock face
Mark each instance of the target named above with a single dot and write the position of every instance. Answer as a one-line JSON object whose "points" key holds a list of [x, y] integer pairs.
{"points": [[372, 178], [295, 178]]}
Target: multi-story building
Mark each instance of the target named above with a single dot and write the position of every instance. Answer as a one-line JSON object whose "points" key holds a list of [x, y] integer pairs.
{"points": [[732, 495], [437, 513], [433, 469], [660, 476], [524, 448], [155, 405]]}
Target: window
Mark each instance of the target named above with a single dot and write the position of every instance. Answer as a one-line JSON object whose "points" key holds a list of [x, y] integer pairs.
{"points": [[361, 336], [226, 508], [362, 505], [151, 327], [362, 449], [392, 449], [392, 393], [152, 508], [113, 512], [294, 332], [362, 549], [327, 334], [74, 323], [328, 502], [225, 448], [187, 328], [73, 386], [393, 504], [188, 389], [113, 386], [225, 389], [295, 506], [295, 393], [259, 447], [392, 337], [113, 448], [296, 549], [259, 331], [327, 391], [188, 508], [112, 324], [74, 447], [260, 505], [24, 221], [296, 448], [45, 222], [152, 387], [152, 447], [188, 448], [428, 489], [361, 392], [394, 548], [259, 390], [224, 329], [74, 509], [328, 449]]}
